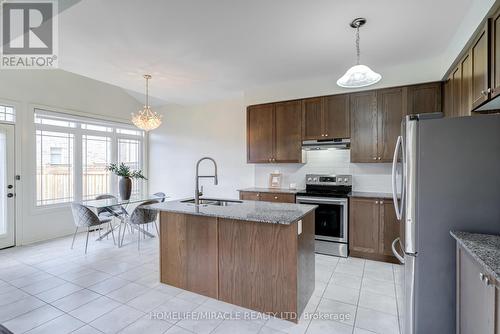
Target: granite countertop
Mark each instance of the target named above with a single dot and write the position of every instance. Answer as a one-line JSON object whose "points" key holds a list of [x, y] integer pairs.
{"points": [[370, 194], [272, 190], [485, 248], [262, 212]]}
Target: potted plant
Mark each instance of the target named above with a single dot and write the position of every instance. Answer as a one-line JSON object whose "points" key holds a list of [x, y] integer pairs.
{"points": [[126, 175]]}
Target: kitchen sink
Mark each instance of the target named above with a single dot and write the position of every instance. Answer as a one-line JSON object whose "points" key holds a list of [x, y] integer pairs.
{"points": [[211, 201]]}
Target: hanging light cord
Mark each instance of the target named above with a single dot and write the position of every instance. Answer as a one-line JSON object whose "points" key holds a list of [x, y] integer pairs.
{"points": [[147, 92], [357, 45]]}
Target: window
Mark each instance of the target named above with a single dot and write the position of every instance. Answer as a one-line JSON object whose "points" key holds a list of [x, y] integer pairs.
{"points": [[7, 114], [73, 152]]}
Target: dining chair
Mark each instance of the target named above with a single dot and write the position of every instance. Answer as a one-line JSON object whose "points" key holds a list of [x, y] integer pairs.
{"points": [[140, 216], [84, 217], [161, 199]]}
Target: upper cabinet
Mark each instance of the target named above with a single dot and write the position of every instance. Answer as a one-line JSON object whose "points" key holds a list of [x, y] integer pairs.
{"points": [[495, 55], [479, 60], [274, 132], [375, 124], [424, 98], [326, 117]]}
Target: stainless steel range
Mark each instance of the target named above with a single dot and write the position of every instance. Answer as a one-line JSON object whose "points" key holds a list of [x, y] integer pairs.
{"points": [[330, 193]]}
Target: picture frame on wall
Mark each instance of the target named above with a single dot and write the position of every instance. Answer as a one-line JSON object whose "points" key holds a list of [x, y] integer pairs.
{"points": [[275, 180]]}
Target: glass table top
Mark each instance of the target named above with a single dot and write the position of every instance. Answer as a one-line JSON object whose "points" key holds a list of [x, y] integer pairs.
{"points": [[109, 202]]}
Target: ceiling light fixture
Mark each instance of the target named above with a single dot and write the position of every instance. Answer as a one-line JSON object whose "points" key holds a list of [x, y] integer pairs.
{"points": [[146, 119], [358, 75]]}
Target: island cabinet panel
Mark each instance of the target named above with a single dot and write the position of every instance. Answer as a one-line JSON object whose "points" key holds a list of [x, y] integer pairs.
{"points": [[479, 61], [495, 55], [189, 249], [372, 228], [477, 305], [306, 262], [390, 114], [277, 197], [424, 98], [260, 133], [249, 196], [363, 109], [258, 265]]}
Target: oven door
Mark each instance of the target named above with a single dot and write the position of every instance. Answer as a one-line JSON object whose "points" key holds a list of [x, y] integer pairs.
{"points": [[331, 217]]}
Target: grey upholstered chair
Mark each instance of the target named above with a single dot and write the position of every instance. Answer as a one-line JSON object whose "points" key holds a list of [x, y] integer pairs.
{"points": [[84, 217], [162, 195], [117, 209], [141, 216]]}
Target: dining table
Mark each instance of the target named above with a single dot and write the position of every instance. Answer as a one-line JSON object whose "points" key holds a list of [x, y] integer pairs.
{"points": [[117, 207]]}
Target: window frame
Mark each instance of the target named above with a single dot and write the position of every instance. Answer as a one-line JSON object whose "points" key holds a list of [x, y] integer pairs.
{"points": [[78, 132]]}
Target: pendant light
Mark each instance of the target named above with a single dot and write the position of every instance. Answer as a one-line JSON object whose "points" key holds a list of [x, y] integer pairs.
{"points": [[358, 75], [146, 119]]}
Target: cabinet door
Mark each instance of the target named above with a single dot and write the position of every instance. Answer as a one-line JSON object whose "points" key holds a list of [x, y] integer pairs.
{"points": [[448, 97], [495, 55], [389, 227], [336, 116], [277, 197], [363, 114], [260, 133], [479, 61], [364, 225], [475, 299], [424, 98], [312, 122], [249, 196], [288, 132], [465, 88], [390, 114], [456, 86]]}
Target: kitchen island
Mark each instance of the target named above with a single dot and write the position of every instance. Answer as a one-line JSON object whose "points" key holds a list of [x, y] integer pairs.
{"points": [[256, 255]]}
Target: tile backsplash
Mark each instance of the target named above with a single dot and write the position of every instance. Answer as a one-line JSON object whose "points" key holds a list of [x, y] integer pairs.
{"points": [[365, 177]]}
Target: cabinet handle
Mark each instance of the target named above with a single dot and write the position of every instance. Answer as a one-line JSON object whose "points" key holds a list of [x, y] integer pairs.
{"points": [[326, 135], [488, 90], [275, 197], [379, 158], [376, 202], [381, 202], [258, 195], [374, 158]]}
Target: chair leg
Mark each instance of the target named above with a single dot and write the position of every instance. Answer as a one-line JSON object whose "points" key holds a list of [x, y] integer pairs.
{"points": [[157, 230], [74, 236], [112, 233], [87, 240], [120, 232], [123, 235], [138, 240]]}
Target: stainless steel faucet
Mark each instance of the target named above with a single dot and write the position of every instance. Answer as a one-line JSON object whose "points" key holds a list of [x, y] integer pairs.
{"points": [[197, 191]]}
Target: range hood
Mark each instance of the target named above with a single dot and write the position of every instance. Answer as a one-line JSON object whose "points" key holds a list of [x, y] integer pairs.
{"points": [[489, 107], [323, 144]]}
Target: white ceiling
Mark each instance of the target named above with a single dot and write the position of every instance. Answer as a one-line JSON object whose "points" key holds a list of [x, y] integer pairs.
{"points": [[201, 50]]}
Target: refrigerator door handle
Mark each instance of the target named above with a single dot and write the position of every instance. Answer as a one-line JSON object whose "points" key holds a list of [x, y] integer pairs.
{"points": [[395, 252], [397, 207]]}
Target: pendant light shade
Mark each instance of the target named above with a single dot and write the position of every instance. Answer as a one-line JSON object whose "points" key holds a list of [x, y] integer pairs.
{"points": [[358, 75], [146, 119]]}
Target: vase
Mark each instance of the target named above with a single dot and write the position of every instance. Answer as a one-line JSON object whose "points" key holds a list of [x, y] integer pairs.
{"points": [[125, 188]]}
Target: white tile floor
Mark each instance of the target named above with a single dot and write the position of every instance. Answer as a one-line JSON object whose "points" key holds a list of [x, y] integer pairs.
{"points": [[48, 288]]}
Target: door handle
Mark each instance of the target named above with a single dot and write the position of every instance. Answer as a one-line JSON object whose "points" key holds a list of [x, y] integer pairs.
{"points": [[396, 254], [10, 186], [398, 208], [10, 195]]}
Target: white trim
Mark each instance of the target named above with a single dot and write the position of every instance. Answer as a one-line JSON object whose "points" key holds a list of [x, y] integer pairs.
{"points": [[72, 112]]}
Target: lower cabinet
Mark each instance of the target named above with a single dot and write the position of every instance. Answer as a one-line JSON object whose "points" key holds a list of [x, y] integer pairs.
{"points": [[267, 197], [478, 298], [372, 228]]}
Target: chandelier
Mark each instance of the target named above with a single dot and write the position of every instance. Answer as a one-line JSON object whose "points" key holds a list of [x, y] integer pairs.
{"points": [[358, 75], [146, 119]]}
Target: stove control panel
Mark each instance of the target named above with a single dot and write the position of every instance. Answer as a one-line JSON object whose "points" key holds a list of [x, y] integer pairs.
{"points": [[330, 180]]}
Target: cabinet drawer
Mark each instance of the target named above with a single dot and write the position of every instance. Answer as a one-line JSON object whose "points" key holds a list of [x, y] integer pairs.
{"points": [[277, 197], [249, 196]]}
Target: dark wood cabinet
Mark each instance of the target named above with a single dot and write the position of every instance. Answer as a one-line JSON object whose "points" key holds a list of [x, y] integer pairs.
{"points": [[288, 132], [274, 132], [495, 55], [260, 133], [267, 197], [465, 86], [424, 98], [363, 113], [372, 228], [326, 117], [456, 87], [312, 121], [479, 71], [448, 97], [390, 113], [336, 116]]}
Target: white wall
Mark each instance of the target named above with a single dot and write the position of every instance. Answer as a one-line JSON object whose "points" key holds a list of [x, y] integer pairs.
{"points": [[217, 130], [365, 177], [61, 90]]}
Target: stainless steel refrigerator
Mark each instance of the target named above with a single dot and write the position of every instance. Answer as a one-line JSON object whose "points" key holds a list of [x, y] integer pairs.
{"points": [[446, 176]]}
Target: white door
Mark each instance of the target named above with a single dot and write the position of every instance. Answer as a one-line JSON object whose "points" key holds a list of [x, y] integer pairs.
{"points": [[7, 186]]}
